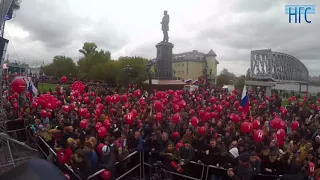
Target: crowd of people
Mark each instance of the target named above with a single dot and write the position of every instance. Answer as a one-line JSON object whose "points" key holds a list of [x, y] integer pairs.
{"points": [[93, 127]]}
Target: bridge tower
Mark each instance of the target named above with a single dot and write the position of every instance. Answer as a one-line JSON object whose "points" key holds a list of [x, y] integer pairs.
{"points": [[261, 71], [268, 68]]}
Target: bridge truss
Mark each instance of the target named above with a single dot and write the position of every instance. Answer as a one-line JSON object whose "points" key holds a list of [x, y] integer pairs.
{"points": [[280, 67]]}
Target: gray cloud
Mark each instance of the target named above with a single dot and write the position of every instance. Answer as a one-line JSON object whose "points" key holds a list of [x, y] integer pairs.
{"points": [[246, 25], [55, 25], [267, 29]]}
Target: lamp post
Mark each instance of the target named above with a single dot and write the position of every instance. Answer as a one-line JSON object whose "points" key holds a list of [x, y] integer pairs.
{"points": [[210, 72], [127, 70], [205, 73], [148, 68]]}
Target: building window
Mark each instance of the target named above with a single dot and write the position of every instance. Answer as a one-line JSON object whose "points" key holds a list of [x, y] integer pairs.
{"points": [[182, 72]]}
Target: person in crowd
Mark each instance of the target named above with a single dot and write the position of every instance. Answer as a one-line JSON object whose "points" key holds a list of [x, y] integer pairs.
{"points": [[231, 159], [136, 143], [244, 171], [152, 146], [168, 155], [271, 165], [212, 128], [108, 159], [255, 162]]}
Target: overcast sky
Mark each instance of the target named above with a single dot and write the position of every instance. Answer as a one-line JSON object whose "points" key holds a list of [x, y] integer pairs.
{"points": [[232, 28]]}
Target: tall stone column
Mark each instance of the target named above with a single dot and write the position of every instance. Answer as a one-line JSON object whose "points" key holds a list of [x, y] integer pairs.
{"points": [[164, 60]]}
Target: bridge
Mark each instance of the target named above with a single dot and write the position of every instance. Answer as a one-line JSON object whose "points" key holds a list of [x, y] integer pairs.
{"points": [[268, 68]]}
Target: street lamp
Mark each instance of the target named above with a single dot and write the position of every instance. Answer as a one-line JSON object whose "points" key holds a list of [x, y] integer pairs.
{"points": [[205, 72], [148, 70], [127, 70]]}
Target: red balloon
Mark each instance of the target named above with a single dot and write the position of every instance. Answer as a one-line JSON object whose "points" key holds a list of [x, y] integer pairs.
{"points": [[176, 118], [129, 118], [34, 104], [108, 99], [235, 118], [105, 175], [258, 136], [18, 85], [202, 113], [106, 124], [83, 123], [137, 93], [282, 125], [294, 125], [102, 132], [213, 100], [98, 100], [246, 127], [192, 112], [15, 106], [274, 123], [43, 113], [158, 116], [99, 148], [175, 135], [194, 121], [134, 113], [86, 99], [98, 125], [58, 104], [124, 98], [280, 134], [158, 105], [256, 124], [207, 117], [66, 108], [179, 145], [202, 130], [64, 79], [213, 115]]}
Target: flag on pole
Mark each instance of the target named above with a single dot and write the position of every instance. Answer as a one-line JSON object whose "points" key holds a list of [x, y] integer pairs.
{"points": [[188, 81], [31, 88], [245, 100]]}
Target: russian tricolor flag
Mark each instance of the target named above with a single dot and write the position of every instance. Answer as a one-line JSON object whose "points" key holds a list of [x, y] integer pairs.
{"points": [[245, 100], [195, 82], [188, 81]]}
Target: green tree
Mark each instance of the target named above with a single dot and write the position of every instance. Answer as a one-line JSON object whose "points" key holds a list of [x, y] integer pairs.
{"points": [[240, 81], [61, 66], [226, 77], [91, 58], [138, 73]]}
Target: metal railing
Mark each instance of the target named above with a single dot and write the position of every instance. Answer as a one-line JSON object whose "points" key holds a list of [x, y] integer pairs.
{"points": [[128, 171], [205, 172], [100, 171]]}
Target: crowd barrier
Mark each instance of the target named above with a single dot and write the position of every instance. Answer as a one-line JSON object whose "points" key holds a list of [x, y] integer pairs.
{"points": [[208, 170], [42, 144], [16, 126]]}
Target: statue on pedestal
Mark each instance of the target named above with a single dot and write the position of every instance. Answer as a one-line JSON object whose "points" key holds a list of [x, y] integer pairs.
{"points": [[165, 26]]}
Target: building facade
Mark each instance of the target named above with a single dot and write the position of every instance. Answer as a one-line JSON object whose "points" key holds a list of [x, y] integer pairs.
{"points": [[194, 65]]}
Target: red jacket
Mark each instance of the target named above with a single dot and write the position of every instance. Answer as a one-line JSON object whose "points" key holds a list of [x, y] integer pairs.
{"points": [[64, 156]]}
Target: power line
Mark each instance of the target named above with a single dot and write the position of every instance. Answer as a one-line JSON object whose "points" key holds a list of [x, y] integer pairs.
{"points": [[11, 42]]}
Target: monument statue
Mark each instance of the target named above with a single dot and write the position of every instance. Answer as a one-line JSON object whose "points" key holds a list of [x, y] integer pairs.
{"points": [[165, 26]]}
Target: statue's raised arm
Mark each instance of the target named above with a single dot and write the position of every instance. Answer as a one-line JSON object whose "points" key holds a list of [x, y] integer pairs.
{"points": [[165, 26]]}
